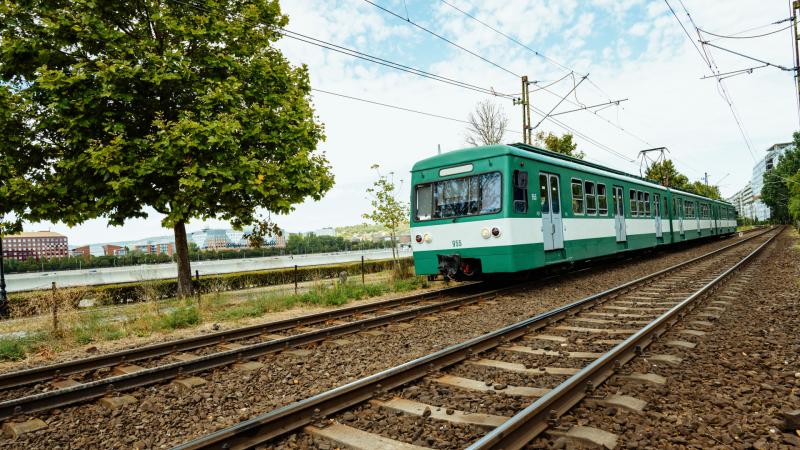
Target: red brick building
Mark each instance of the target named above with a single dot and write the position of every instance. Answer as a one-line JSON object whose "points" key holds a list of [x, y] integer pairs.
{"points": [[35, 244]]}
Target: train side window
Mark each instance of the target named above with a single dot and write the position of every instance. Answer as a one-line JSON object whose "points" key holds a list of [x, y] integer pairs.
{"points": [[577, 196], [424, 206], [640, 196], [520, 192], [543, 203], [647, 204], [591, 199], [634, 207], [602, 200]]}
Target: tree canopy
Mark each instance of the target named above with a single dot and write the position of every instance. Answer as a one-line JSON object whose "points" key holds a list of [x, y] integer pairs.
{"points": [[664, 173], [185, 107], [387, 210], [781, 192], [563, 144]]}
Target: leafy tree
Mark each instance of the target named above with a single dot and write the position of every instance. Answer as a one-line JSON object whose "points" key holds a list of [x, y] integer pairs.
{"points": [[185, 107], [487, 124], [700, 188], [794, 198], [561, 144], [387, 210], [665, 173], [776, 193]]}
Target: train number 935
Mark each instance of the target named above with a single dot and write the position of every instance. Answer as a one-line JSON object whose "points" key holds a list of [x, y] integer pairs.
{"points": [[457, 243]]}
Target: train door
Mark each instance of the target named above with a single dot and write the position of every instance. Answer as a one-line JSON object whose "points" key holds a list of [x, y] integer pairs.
{"points": [[715, 210], [619, 215], [679, 213], [657, 214], [550, 199], [697, 217]]}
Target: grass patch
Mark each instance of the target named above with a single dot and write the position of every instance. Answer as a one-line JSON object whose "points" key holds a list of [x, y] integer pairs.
{"points": [[15, 348], [337, 295], [180, 317], [145, 319]]}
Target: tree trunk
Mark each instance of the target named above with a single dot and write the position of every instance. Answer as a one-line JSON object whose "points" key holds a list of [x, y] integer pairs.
{"points": [[182, 257]]}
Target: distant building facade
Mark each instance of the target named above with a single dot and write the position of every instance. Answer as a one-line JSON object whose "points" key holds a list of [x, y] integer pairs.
{"points": [[743, 201], [35, 244], [159, 248], [761, 211]]}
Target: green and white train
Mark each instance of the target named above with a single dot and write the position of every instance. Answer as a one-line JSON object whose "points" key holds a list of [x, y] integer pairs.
{"points": [[511, 208]]}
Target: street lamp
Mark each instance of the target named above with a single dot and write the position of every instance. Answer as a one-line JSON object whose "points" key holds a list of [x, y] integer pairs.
{"points": [[4, 313]]}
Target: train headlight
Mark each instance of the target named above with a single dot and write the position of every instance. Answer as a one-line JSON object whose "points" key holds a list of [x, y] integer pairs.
{"points": [[495, 231], [418, 239], [485, 233], [428, 238]]}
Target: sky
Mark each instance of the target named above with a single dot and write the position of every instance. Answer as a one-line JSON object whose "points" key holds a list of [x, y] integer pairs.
{"points": [[631, 49]]}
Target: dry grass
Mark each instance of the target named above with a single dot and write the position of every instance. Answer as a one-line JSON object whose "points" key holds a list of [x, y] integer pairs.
{"points": [[47, 335]]}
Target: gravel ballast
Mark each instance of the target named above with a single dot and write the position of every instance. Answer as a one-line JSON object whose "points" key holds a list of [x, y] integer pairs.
{"points": [[164, 416]]}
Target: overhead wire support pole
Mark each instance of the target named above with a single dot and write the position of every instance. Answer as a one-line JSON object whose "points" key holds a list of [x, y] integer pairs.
{"points": [[733, 72], [745, 56], [584, 108], [561, 101], [525, 101], [795, 4]]}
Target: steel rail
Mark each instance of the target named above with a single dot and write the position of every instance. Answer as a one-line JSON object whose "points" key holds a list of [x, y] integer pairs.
{"points": [[98, 388], [526, 425], [265, 427], [43, 373]]}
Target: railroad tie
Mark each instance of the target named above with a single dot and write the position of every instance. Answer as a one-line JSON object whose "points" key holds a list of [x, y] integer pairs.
{"points": [[581, 435], [480, 386], [520, 368], [353, 438], [418, 409]]}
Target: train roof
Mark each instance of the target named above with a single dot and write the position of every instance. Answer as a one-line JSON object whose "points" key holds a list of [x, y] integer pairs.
{"points": [[535, 153]]}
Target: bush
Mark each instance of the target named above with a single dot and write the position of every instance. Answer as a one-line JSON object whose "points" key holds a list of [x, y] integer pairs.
{"points": [[181, 317]]}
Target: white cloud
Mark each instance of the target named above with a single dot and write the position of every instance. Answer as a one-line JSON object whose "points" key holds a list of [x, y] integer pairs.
{"points": [[648, 59]]}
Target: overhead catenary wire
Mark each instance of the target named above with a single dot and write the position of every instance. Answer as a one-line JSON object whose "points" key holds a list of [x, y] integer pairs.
{"points": [[364, 56], [516, 41], [709, 62], [433, 33], [387, 63], [721, 36]]}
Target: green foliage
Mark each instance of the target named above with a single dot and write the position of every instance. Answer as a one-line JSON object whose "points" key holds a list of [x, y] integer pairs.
{"points": [[665, 174], [186, 107], [563, 144], [387, 210], [780, 191], [181, 317], [794, 198], [12, 349], [700, 188]]}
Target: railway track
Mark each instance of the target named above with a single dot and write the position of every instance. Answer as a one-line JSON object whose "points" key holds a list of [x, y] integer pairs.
{"points": [[514, 382], [53, 386]]}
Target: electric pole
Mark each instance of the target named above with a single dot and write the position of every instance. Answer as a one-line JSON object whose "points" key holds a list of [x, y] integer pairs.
{"points": [[706, 178], [525, 101], [4, 312], [795, 5]]}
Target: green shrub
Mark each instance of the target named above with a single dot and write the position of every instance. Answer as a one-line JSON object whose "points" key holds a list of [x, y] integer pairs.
{"points": [[181, 317], [12, 348]]}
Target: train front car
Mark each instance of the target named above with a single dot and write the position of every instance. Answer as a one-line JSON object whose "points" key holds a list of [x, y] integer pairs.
{"points": [[468, 207]]}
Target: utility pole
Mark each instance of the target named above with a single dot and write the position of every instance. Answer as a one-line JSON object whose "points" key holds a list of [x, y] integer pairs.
{"points": [[4, 312], [706, 178], [525, 101], [795, 6]]}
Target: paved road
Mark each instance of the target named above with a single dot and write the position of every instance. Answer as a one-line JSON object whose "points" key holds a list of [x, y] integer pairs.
{"points": [[42, 280]]}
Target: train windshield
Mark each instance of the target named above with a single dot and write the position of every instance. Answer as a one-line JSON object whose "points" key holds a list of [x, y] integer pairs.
{"points": [[467, 196]]}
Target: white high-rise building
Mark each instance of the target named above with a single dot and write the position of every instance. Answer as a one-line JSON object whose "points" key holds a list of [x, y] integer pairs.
{"points": [[760, 210]]}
